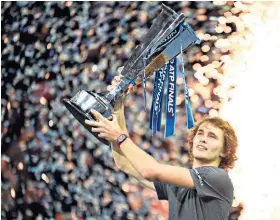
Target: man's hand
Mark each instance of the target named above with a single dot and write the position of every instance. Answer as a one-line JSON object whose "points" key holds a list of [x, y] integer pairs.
{"points": [[116, 80], [107, 128], [119, 103]]}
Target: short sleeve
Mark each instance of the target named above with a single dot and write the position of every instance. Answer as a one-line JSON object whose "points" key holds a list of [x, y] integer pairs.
{"points": [[161, 190], [212, 182]]}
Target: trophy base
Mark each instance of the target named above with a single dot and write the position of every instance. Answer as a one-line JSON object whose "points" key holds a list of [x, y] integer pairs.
{"points": [[82, 112]]}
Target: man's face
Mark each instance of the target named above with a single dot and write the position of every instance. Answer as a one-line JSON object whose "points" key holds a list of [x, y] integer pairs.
{"points": [[208, 143]]}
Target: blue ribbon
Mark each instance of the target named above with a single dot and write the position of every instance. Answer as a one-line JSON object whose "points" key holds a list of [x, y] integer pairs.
{"points": [[154, 97], [158, 121], [170, 71], [190, 119], [171, 98], [144, 84], [158, 92]]}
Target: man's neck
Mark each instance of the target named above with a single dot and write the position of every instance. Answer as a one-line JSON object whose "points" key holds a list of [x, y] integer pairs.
{"points": [[199, 163]]}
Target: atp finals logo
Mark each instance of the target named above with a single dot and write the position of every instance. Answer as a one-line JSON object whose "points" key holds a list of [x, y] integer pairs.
{"points": [[171, 87]]}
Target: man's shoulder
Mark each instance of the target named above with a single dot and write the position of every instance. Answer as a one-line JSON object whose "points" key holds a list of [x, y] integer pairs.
{"points": [[214, 176], [210, 170]]}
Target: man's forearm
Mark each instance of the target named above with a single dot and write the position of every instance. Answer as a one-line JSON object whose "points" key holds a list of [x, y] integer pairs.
{"points": [[111, 130], [128, 168], [120, 160], [145, 164]]}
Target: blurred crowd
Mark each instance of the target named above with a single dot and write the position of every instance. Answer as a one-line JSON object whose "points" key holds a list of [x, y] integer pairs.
{"points": [[51, 167]]}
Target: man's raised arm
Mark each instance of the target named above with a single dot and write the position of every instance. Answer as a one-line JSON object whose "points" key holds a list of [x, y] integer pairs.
{"points": [[144, 164], [120, 160]]}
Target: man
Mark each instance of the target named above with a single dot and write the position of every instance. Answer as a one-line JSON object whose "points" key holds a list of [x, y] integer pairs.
{"points": [[203, 191]]}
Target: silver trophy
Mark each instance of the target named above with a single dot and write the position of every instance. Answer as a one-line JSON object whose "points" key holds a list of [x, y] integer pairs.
{"points": [[166, 38]]}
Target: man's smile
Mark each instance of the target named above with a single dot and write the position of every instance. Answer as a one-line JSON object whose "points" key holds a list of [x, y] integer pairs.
{"points": [[201, 148]]}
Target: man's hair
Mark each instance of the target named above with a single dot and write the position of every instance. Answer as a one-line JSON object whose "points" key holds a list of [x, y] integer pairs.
{"points": [[230, 141]]}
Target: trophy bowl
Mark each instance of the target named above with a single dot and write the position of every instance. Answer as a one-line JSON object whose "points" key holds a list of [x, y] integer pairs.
{"points": [[81, 104]]}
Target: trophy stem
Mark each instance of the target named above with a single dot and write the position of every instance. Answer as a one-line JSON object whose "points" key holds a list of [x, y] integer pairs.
{"points": [[156, 63]]}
